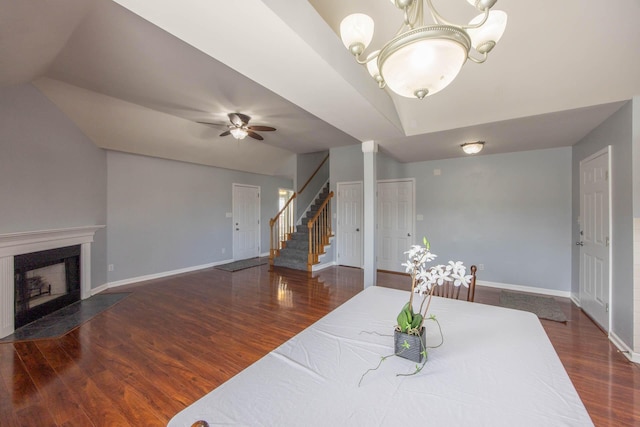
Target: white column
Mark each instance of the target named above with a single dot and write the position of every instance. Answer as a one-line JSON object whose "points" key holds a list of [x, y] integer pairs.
{"points": [[85, 270], [370, 151], [6, 296]]}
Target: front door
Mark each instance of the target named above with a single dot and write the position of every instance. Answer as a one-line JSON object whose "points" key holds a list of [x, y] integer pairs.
{"points": [[246, 221], [350, 224], [594, 237], [396, 203]]}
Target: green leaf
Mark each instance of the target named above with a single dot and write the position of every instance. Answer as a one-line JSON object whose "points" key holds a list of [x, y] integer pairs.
{"points": [[406, 344], [426, 243], [417, 319], [403, 322]]}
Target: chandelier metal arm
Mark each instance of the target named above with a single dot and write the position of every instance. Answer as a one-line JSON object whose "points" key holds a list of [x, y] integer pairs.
{"points": [[479, 24], [439, 19], [369, 57]]}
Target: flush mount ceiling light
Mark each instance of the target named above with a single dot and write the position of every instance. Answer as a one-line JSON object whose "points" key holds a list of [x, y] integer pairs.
{"points": [[421, 60], [472, 147]]}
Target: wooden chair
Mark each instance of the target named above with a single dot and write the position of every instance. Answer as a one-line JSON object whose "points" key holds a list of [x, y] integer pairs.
{"points": [[447, 290]]}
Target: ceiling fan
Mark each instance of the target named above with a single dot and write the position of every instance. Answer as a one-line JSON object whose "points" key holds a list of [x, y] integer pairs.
{"points": [[239, 127]]}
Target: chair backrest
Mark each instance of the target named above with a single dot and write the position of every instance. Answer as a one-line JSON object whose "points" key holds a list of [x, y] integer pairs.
{"points": [[447, 290]]}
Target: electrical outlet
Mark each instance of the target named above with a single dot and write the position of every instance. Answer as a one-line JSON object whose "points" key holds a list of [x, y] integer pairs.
{"points": [[110, 267], [480, 267]]}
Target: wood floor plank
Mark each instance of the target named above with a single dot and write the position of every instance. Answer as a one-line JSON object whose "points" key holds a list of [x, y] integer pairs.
{"points": [[176, 338], [55, 395]]}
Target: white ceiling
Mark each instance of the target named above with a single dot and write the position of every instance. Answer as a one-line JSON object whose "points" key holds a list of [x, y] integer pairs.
{"points": [[135, 75]]}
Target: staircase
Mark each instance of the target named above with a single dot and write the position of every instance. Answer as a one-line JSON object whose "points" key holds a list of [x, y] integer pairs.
{"points": [[294, 252]]}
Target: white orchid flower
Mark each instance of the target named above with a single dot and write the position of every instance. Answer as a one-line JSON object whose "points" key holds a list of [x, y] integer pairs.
{"points": [[459, 279], [429, 257]]}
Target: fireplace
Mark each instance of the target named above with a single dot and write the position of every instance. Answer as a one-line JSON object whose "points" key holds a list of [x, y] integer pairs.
{"points": [[45, 281], [62, 274]]}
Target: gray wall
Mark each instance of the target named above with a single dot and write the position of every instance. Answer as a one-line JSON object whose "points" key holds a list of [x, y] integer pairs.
{"points": [[306, 164], [166, 215], [617, 132], [51, 175], [510, 212]]}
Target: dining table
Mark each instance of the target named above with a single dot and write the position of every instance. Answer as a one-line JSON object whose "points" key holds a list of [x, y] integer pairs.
{"points": [[485, 366]]}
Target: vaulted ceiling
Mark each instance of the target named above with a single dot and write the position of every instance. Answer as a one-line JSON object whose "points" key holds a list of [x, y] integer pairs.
{"points": [[137, 76]]}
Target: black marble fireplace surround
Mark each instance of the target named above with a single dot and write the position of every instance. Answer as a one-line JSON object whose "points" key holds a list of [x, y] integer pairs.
{"points": [[30, 289]]}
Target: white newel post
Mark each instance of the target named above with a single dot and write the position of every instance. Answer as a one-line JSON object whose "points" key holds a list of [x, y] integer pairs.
{"points": [[34, 241]]}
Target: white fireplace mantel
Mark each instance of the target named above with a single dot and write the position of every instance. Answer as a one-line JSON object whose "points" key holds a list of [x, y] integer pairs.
{"points": [[13, 244]]}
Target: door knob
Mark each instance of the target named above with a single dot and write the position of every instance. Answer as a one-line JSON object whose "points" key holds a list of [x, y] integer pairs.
{"points": [[580, 243], [357, 229], [408, 234], [237, 229]]}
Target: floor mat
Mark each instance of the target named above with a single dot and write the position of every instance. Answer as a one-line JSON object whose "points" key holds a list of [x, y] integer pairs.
{"points": [[543, 307], [242, 264]]}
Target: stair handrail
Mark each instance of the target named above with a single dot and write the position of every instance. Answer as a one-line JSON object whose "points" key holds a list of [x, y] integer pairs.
{"points": [[319, 231], [313, 174], [276, 236]]}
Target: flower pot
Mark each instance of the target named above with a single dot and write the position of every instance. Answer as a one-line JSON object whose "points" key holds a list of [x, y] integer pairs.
{"points": [[414, 347]]}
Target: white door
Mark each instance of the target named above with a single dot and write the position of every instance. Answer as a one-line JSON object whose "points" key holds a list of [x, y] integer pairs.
{"points": [[396, 201], [246, 221], [594, 240], [349, 223]]}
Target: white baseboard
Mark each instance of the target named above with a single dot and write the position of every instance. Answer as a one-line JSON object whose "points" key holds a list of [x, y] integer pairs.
{"points": [[576, 300], [521, 288], [624, 348], [319, 267], [161, 275], [97, 290]]}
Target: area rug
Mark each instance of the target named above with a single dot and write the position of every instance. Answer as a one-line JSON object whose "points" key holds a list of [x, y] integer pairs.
{"points": [[543, 307], [243, 263], [66, 319]]}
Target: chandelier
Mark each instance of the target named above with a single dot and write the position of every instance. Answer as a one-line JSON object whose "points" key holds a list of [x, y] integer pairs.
{"points": [[421, 60]]}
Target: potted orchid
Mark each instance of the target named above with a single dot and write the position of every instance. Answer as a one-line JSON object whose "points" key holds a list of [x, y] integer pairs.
{"points": [[410, 333]]}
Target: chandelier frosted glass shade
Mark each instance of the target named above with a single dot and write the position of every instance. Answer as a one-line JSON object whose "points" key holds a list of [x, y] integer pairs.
{"points": [[356, 31], [423, 61], [485, 37]]}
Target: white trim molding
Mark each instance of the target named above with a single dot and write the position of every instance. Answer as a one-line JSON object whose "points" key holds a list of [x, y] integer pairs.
{"points": [[521, 288], [160, 275], [25, 242], [624, 348]]}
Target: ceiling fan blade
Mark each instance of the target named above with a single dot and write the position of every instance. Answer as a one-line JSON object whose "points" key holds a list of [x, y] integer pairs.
{"points": [[261, 128], [213, 124], [239, 119], [254, 135], [225, 133]]}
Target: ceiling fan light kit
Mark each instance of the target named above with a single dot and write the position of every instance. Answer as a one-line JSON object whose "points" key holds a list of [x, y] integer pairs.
{"points": [[473, 147], [238, 133], [421, 60]]}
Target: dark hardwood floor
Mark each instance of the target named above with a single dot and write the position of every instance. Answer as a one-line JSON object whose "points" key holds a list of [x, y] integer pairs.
{"points": [[175, 339]]}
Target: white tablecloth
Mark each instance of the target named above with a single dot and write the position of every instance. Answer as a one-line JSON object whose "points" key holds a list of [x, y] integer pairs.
{"points": [[496, 367]]}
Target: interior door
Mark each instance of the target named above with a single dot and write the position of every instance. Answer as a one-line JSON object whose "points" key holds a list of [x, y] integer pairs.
{"points": [[246, 221], [349, 236], [594, 237], [396, 205]]}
